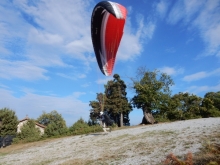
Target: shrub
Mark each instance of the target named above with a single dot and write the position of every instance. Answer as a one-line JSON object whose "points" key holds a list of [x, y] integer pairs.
{"points": [[29, 133], [56, 125], [82, 127], [161, 119], [209, 155], [173, 160]]}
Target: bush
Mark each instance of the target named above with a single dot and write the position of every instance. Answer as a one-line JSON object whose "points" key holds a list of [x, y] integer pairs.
{"points": [[161, 119], [214, 113], [173, 160], [82, 127], [209, 155], [52, 130], [56, 125], [29, 133], [174, 115]]}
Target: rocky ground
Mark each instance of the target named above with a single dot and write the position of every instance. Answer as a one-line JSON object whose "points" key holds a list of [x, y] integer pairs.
{"points": [[147, 144]]}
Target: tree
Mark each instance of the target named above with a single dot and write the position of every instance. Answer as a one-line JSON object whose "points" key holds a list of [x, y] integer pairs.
{"points": [[29, 132], [79, 127], [189, 104], [215, 97], [55, 123], [97, 107], [208, 109], [168, 109], [116, 102], [9, 122], [151, 89]]}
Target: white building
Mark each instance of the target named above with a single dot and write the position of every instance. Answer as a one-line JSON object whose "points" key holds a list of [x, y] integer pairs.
{"points": [[25, 120]]}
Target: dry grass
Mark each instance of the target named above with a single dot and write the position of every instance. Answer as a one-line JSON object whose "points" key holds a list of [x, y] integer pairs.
{"points": [[138, 145], [208, 155], [23, 146], [100, 161], [173, 160]]}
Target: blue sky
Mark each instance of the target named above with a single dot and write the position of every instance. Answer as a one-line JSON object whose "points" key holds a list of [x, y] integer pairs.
{"points": [[47, 60]]}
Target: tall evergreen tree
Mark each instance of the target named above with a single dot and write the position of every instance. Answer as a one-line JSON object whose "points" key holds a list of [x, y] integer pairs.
{"points": [[116, 102], [9, 122]]}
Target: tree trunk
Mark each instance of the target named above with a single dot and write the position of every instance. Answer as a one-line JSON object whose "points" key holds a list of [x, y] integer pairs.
{"points": [[148, 117], [121, 120]]}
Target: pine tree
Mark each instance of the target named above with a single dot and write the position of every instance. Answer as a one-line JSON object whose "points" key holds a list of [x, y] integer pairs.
{"points": [[116, 102], [9, 122]]}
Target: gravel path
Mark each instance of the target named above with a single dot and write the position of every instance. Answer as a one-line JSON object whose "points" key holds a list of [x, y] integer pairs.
{"points": [[148, 144]]}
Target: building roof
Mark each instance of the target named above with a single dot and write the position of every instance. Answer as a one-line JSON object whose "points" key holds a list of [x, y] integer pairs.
{"points": [[27, 118], [40, 125]]}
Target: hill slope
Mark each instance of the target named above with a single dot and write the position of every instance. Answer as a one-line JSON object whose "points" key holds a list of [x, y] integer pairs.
{"points": [[148, 144]]}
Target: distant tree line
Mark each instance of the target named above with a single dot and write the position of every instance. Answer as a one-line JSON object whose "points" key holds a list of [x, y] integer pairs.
{"points": [[54, 122], [153, 97]]}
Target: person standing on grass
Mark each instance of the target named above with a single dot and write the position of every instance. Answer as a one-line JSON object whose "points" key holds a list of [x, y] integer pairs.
{"points": [[104, 122]]}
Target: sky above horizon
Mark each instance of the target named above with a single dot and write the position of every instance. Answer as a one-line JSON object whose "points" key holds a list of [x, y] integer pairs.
{"points": [[47, 60]]}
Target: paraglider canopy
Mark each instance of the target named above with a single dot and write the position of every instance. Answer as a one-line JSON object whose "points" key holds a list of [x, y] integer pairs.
{"points": [[107, 24]]}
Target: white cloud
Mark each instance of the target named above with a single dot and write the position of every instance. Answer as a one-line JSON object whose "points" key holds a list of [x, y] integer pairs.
{"points": [[172, 70], [77, 48], [54, 32], [195, 76], [104, 80], [201, 75], [42, 37], [176, 13], [4, 86], [202, 15], [192, 7], [203, 89], [32, 105], [208, 22], [86, 85], [149, 30], [132, 42], [49, 30], [162, 7], [21, 69], [72, 76]]}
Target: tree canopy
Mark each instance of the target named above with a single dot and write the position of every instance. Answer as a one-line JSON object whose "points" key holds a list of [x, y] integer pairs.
{"points": [[211, 104], [113, 101], [55, 123], [29, 132], [117, 103], [9, 122], [97, 106], [215, 97], [189, 105], [151, 88]]}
